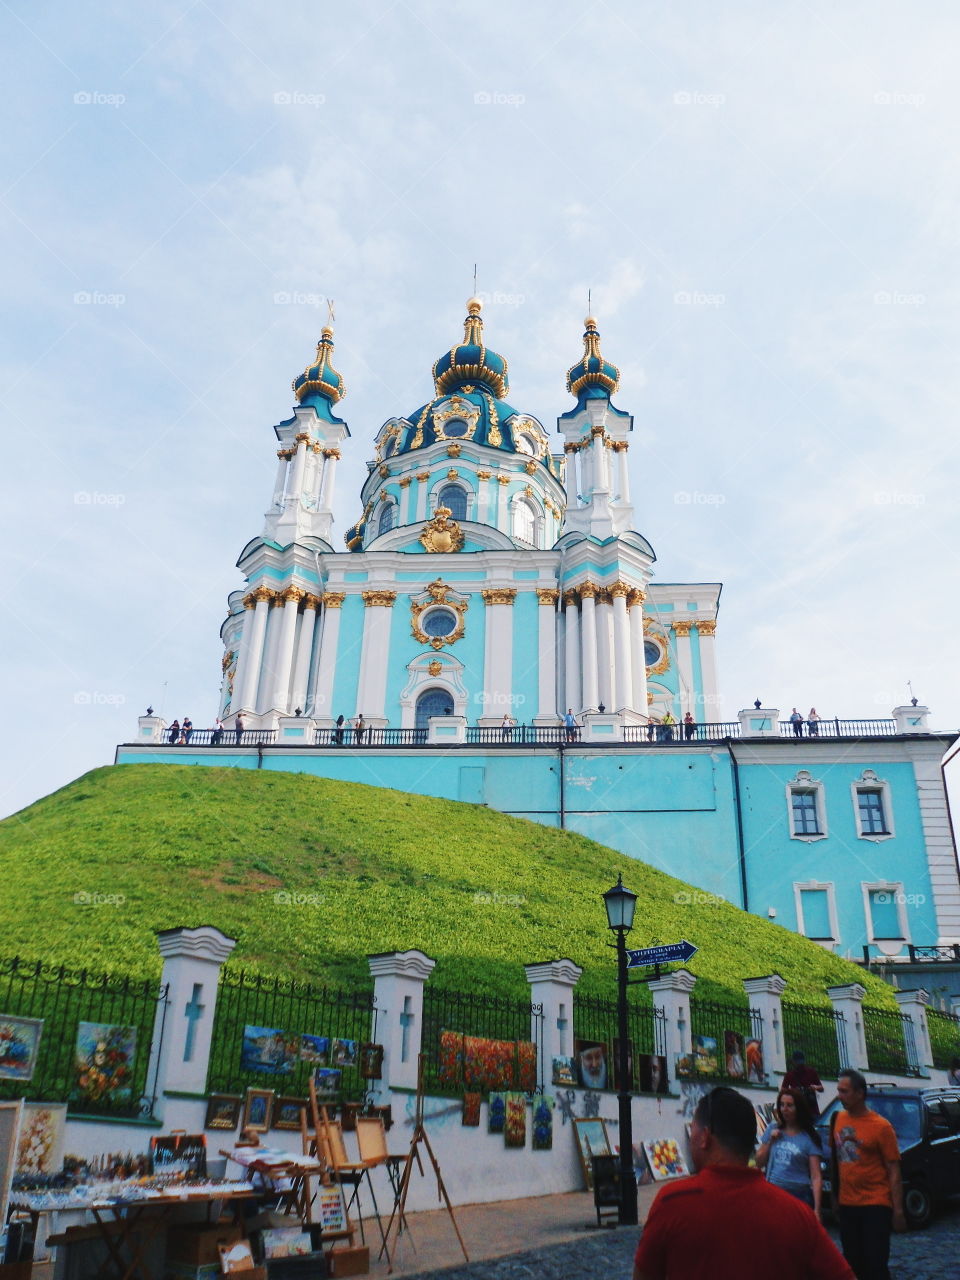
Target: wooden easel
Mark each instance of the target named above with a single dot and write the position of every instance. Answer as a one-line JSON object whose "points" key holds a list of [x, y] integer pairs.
{"points": [[419, 1135]]}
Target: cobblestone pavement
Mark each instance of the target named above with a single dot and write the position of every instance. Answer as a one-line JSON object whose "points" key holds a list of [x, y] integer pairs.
{"points": [[932, 1254]]}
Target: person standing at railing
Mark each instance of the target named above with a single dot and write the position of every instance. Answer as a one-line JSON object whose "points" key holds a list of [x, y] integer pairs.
{"points": [[796, 719], [689, 726], [217, 732], [238, 727], [359, 728], [175, 733], [570, 725], [506, 727], [187, 730], [813, 723], [338, 731], [667, 722]]}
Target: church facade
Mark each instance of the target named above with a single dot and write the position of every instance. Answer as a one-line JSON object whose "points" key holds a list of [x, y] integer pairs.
{"points": [[493, 582]]}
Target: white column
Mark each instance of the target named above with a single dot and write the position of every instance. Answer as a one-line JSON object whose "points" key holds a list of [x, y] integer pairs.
{"points": [[422, 478], [406, 509], [248, 677], [551, 986], [330, 458], [372, 685], [327, 657], [688, 695], [485, 498], [572, 695], [191, 972], [547, 653], [586, 469], [623, 473], [588, 640], [672, 994], [848, 1000], [623, 667], [764, 994], [502, 514], [301, 670], [280, 483], [637, 656], [398, 979], [604, 616], [299, 466], [283, 654], [498, 654], [914, 1005], [243, 651], [598, 451], [708, 672]]}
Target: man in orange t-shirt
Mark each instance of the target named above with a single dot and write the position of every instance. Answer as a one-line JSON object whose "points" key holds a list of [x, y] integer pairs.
{"points": [[870, 1192]]}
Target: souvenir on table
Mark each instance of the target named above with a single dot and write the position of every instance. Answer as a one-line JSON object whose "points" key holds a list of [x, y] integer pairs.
{"points": [[542, 1122], [257, 1108], [105, 1056], [450, 1069], [183, 1155], [315, 1049], [592, 1061], [665, 1159], [223, 1111], [705, 1055], [268, 1050], [286, 1114], [41, 1138], [733, 1055], [371, 1061], [471, 1109], [515, 1123], [653, 1073], [488, 1064], [565, 1071], [343, 1053], [19, 1045], [496, 1112], [753, 1051], [526, 1065], [592, 1140], [326, 1081]]}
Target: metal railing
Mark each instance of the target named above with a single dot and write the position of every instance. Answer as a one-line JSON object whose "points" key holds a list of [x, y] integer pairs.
{"points": [[946, 953], [819, 1033], [944, 1031], [891, 1041], [220, 738], [506, 1049], [313, 1027], [727, 1041], [682, 733], [80, 1037], [840, 729], [595, 1020]]}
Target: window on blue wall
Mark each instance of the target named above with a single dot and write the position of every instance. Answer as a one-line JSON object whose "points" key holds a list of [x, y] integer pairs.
{"points": [[815, 905], [803, 806], [884, 913], [873, 820], [388, 518], [454, 497]]}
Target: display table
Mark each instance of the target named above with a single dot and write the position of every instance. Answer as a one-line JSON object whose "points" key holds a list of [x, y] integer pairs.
{"points": [[284, 1174]]}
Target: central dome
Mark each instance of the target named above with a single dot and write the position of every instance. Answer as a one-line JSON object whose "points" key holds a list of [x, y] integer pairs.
{"points": [[471, 362]]}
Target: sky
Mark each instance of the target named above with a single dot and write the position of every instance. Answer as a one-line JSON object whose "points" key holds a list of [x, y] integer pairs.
{"points": [[763, 200]]}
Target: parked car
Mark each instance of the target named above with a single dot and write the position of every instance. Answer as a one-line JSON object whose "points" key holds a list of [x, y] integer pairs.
{"points": [[927, 1125]]}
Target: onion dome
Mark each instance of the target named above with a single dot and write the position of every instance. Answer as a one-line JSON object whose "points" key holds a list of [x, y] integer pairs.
{"points": [[320, 379], [592, 376], [354, 535], [471, 362]]}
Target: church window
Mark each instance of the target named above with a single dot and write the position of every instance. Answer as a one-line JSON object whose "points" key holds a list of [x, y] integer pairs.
{"points": [[806, 820], [432, 702], [872, 807], [872, 821], [390, 446], [524, 522], [527, 444], [388, 518], [454, 497], [455, 427], [652, 653], [816, 906], [439, 622]]}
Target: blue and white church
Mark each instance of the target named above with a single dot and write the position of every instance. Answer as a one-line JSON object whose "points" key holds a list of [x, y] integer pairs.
{"points": [[494, 579]]}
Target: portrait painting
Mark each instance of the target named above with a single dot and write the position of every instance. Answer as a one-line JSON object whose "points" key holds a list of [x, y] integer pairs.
{"points": [[592, 1063], [733, 1052], [653, 1073]]}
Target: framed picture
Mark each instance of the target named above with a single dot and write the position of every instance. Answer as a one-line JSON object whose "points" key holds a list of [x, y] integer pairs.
{"points": [[631, 1066], [471, 1109], [257, 1109], [542, 1122], [343, 1053], [286, 1114], [40, 1141], [223, 1111], [315, 1049], [515, 1123], [326, 1081], [733, 1055], [104, 1062], [592, 1140], [19, 1045], [331, 1209], [705, 1055], [591, 1058], [371, 1061], [653, 1073], [9, 1127], [564, 1071], [496, 1112], [268, 1050], [665, 1159], [753, 1053], [182, 1154]]}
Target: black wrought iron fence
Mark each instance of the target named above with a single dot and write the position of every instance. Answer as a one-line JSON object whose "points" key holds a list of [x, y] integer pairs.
{"points": [[473, 1041], [274, 1033], [891, 1041], [944, 1031], [727, 1041], [819, 1033], [596, 1022], [80, 1037], [699, 732]]}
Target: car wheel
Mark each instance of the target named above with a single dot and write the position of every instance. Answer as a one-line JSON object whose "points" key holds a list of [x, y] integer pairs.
{"points": [[917, 1205]]}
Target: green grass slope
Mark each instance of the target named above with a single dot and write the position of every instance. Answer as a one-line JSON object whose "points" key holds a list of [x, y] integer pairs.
{"points": [[311, 876]]}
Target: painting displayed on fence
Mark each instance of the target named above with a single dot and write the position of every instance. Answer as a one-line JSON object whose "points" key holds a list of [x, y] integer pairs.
{"points": [[286, 1114], [542, 1122], [343, 1053], [315, 1049], [565, 1071], [371, 1061], [41, 1138], [665, 1160], [257, 1109], [515, 1124], [592, 1059], [526, 1065], [592, 1140], [471, 1109], [733, 1052], [268, 1050], [450, 1067], [706, 1062], [19, 1045], [496, 1112], [182, 1155], [753, 1052], [105, 1057], [653, 1073], [326, 1081], [488, 1064], [223, 1111]]}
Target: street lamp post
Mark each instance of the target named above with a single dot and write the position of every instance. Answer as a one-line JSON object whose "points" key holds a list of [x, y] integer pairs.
{"points": [[620, 904]]}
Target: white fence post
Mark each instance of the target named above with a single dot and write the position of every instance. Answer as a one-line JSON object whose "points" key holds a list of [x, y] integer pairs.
{"points": [[672, 994], [848, 1000], [914, 1005], [551, 985], [765, 996], [398, 979]]}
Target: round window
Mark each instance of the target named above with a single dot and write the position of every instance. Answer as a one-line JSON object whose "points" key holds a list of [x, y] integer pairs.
{"points": [[455, 427], [525, 444], [439, 622], [652, 653]]}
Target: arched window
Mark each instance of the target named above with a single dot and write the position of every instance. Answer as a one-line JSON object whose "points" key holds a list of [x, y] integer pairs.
{"points": [[524, 521], [454, 497], [389, 446], [388, 518], [432, 702]]}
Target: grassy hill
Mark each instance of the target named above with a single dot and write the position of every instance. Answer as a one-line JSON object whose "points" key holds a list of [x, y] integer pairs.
{"points": [[310, 876]]}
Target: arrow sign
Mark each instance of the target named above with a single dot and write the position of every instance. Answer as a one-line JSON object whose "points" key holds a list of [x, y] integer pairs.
{"points": [[661, 955]]}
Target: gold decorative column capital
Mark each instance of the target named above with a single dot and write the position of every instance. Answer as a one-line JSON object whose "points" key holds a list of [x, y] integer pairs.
{"points": [[262, 595], [570, 598], [596, 431], [707, 628], [619, 588], [317, 447], [604, 596], [636, 596], [681, 627], [548, 596], [331, 453], [503, 479], [333, 599], [382, 599], [286, 454], [250, 601], [405, 482], [292, 594], [311, 601], [499, 595], [302, 437], [618, 446], [423, 476], [588, 590], [484, 475]]}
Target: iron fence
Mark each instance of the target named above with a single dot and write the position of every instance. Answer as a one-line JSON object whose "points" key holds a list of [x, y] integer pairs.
{"points": [[944, 1031], [272, 1033], [820, 1034], [500, 1019], [219, 738], [80, 1037], [660, 733], [727, 1041], [891, 1042], [836, 728], [596, 1021]]}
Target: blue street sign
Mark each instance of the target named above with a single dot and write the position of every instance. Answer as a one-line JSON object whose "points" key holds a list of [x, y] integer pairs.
{"points": [[661, 955]]}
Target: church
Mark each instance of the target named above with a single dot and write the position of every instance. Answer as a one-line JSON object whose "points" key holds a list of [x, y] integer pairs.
{"points": [[491, 631]]}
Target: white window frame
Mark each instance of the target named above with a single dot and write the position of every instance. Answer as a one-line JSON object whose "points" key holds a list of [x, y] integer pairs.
{"points": [[818, 886], [868, 781], [804, 781], [385, 505], [457, 484], [889, 946], [524, 500]]}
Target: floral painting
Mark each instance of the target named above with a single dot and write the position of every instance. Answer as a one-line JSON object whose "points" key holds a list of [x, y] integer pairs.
{"points": [[665, 1159], [543, 1122], [451, 1057], [471, 1109], [526, 1065], [488, 1064], [515, 1124], [496, 1112], [268, 1050], [41, 1138], [19, 1045], [104, 1060]]}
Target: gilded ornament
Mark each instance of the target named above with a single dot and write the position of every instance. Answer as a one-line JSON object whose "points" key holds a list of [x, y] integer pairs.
{"points": [[453, 474], [250, 601], [484, 475], [548, 595], [588, 590], [423, 476], [499, 595], [384, 471], [494, 436], [530, 467], [636, 596], [302, 437], [331, 453], [603, 596], [503, 479], [383, 599], [262, 594], [441, 534], [570, 599], [311, 602], [292, 595], [453, 450], [405, 482], [435, 667], [619, 588], [527, 492], [681, 627], [417, 440], [437, 592], [333, 599], [596, 430], [707, 628], [227, 658]]}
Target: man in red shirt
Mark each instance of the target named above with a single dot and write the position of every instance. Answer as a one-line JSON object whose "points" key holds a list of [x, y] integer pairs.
{"points": [[727, 1222]]}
